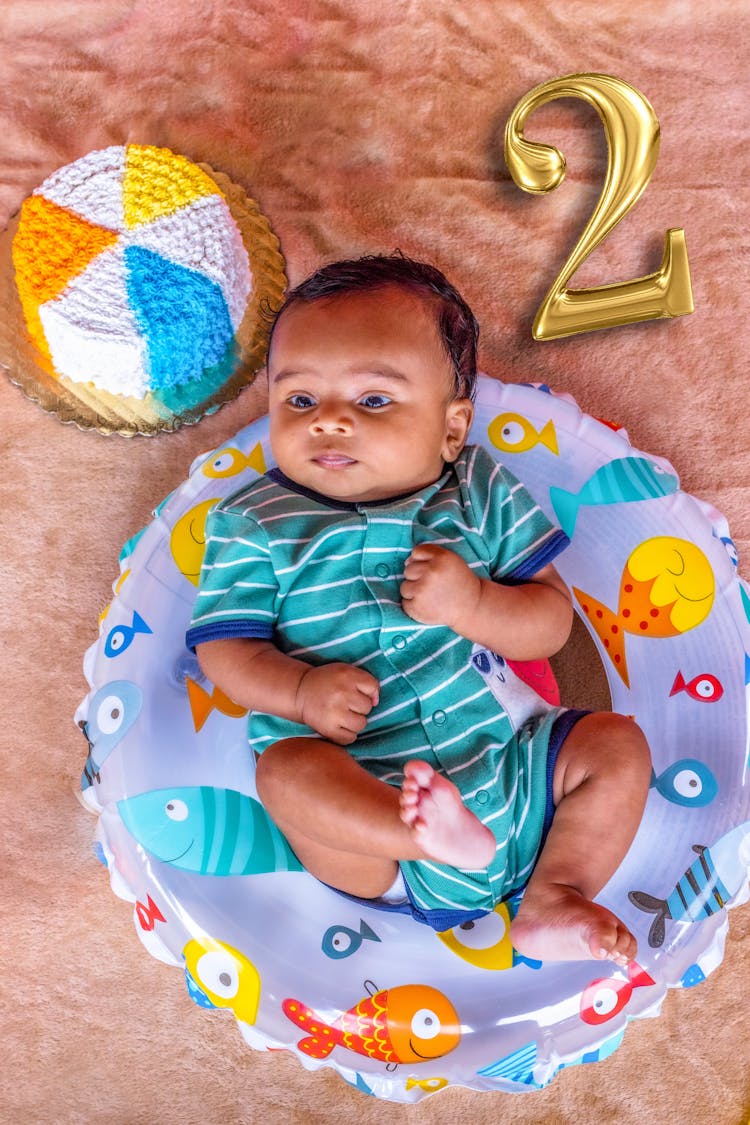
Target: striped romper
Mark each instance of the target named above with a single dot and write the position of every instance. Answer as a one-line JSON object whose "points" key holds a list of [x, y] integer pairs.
{"points": [[320, 578]]}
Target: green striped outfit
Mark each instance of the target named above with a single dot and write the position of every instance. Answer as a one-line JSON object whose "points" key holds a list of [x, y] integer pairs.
{"points": [[321, 579]]}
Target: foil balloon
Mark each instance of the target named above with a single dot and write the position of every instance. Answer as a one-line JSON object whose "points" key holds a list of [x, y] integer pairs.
{"points": [[632, 132], [400, 1011]]}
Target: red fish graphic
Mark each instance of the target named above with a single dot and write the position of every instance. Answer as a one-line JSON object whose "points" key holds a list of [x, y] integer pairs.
{"points": [[704, 688], [409, 1023], [604, 998]]}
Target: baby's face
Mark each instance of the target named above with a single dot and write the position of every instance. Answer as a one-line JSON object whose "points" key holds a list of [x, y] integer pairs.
{"points": [[360, 393]]}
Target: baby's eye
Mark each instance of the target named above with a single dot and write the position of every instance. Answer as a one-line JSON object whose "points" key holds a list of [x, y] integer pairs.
{"points": [[374, 401], [301, 402]]}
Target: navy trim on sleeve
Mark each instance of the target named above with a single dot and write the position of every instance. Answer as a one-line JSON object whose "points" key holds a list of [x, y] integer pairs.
{"points": [[253, 630], [554, 546]]}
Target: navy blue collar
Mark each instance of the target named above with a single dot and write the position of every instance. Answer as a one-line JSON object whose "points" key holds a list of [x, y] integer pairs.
{"points": [[278, 477]]}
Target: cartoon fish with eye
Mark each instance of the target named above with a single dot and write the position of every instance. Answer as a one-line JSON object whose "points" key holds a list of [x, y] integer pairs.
{"points": [[667, 588], [688, 782], [411, 1023], [188, 540], [229, 461], [485, 942], [341, 941], [121, 637], [703, 688], [716, 876], [112, 712], [512, 433], [208, 831], [226, 977], [430, 1085], [622, 481], [604, 998]]}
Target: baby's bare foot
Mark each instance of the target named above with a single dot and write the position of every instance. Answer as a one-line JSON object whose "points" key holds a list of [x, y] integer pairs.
{"points": [[558, 924], [440, 823]]}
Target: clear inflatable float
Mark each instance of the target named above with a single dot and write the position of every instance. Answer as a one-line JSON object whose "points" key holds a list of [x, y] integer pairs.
{"points": [[398, 1010]]}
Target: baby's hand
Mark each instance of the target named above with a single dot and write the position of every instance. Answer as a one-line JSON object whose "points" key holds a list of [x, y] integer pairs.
{"points": [[439, 588], [335, 700]]}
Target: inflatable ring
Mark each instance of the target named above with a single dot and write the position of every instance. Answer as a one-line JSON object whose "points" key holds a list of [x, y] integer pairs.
{"points": [[397, 1009]]}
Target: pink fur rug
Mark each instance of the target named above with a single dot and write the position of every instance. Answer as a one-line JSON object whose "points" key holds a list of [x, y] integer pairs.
{"points": [[358, 126]]}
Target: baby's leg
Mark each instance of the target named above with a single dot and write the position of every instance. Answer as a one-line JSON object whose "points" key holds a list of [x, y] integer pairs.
{"points": [[350, 830], [343, 824], [601, 781]]}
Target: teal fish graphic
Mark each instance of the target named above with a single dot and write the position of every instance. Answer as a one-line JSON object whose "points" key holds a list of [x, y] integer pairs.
{"points": [[208, 831], [341, 941], [618, 482]]}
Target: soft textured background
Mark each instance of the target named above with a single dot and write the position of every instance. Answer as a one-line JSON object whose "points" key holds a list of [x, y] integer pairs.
{"points": [[358, 125]]}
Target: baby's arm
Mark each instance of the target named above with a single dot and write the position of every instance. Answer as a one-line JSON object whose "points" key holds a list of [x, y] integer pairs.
{"points": [[333, 699], [528, 621]]}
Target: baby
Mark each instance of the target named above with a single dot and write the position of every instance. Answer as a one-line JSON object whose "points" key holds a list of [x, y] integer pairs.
{"points": [[339, 600]]}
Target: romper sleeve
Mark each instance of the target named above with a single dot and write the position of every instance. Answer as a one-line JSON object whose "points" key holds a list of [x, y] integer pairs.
{"points": [[516, 532], [237, 590]]}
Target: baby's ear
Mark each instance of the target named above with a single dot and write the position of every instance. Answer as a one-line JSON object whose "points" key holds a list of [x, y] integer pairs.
{"points": [[458, 418]]}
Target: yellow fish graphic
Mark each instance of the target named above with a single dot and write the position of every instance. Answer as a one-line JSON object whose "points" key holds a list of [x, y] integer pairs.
{"points": [[229, 461], [224, 975], [512, 433], [202, 703], [188, 540], [428, 1084], [667, 588], [486, 943]]}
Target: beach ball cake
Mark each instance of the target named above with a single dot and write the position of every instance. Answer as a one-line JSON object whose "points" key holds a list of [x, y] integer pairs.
{"points": [[141, 277]]}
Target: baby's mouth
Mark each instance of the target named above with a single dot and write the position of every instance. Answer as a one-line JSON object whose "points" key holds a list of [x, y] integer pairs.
{"points": [[333, 460]]}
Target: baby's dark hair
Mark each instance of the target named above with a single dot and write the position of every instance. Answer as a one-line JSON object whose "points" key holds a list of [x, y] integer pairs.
{"points": [[457, 324]]}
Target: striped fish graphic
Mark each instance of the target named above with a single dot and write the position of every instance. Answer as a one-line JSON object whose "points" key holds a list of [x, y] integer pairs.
{"points": [[208, 831], [409, 1023], [705, 888], [618, 482]]}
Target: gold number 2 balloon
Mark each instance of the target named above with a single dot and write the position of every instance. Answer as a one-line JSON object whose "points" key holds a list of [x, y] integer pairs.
{"points": [[632, 132]]}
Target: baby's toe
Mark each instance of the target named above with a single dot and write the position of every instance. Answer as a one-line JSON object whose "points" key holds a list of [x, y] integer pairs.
{"points": [[419, 772]]}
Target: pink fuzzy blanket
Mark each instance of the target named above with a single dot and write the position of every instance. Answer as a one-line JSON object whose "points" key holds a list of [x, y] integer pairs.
{"points": [[358, 125]]}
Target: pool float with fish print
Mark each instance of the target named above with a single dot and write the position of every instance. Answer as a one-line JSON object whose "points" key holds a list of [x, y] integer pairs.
{"points": [[216, 890]]}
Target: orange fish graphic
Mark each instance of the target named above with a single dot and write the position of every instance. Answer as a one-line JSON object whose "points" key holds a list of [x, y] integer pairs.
{"points": [[410, 1023], [667, 588], [202, 704]]}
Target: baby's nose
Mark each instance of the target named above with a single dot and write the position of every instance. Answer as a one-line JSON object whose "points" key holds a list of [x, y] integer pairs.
{"points": [[332, 418]]}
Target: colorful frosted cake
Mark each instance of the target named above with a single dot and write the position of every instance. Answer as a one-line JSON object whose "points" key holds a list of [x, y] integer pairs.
{"points": [[134, 278]]}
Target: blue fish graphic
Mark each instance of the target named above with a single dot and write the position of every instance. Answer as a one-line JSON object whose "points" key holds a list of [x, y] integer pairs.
{"points": [[515, 1067], [208, 831], [120, 637], [341, 941], [618, 482], [688, 782], [706, 887], [196, 993], [694, 975], [112, 712]]}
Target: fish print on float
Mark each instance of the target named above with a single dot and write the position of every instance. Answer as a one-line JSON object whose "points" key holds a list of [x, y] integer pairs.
{"points": [[705, 888], [112, 712], [622, 481], [411, 1023], [689, 783], [667, 588], [208, 831], [512, 433], [341, 941]]}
